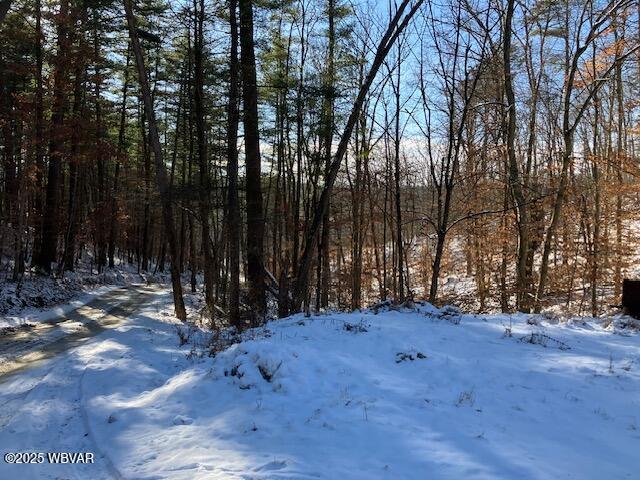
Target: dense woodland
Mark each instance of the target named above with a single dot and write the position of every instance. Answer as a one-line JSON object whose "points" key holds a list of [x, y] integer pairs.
{"points": [[314, 154]]}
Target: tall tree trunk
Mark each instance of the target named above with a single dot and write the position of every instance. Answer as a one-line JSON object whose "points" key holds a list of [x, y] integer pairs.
{"points": [[255, 221], [161, 174], [10, 150], [144, 241], [100, 135], [299, 142], [567, 155], [398, 196], [515, 182], [203, 162], [619, 167], [361, 156], [120, 153], [324, 267], [595, 249], [75, 167], [39, 134], [504, 296], [232, 172], [50, 221]]}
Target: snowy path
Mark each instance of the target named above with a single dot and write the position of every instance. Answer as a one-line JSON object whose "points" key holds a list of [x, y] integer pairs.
{"points": [[24, 347], [398, 396], [42, 382]]}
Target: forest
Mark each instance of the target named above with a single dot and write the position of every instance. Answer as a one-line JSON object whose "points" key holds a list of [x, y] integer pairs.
{"points": [[320, 239], [305, 155]]}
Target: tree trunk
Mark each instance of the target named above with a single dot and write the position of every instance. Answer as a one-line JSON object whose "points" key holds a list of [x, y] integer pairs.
{"points": [[324, 267], [232, 172], [567, 154], [398, 196], [595, 249], [50, 221], [101, 161], [198, 77], [161, 174], [617, 272], [255, 221], [121, 151], [73, 208], [515, 182], [39, 140]]}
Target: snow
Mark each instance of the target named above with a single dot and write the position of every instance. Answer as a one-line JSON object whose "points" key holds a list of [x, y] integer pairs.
{"points": [[39, 298], [412, 394], [35, 315]]}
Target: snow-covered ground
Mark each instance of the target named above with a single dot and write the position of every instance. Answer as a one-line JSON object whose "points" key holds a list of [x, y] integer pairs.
{"points": [[424, 394], [38, 315], [39, 298]]}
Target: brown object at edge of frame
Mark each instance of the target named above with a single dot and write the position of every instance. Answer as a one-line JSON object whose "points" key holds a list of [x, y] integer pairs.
{"points": [[631, 297]]}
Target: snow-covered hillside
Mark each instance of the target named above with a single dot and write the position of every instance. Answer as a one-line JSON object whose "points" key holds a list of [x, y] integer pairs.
{"points": [[415, 394]]}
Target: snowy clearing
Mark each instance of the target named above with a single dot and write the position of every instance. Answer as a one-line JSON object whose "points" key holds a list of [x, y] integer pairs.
{"points": [[397, 395]]}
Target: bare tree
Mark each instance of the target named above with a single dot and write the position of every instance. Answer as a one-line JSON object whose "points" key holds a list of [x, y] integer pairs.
{"points": [[459, 78], [574, 107], [398, 23], [515, 180]]}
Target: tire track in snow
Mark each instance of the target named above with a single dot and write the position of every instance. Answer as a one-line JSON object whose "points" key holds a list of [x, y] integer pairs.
{"points": [[22, 350], [112, 316], [95, 448], [55, 363]]}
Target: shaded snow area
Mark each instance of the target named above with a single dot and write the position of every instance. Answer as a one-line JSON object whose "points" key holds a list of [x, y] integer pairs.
{"points": [[73, 298], [421, 394], [38, 298]]}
